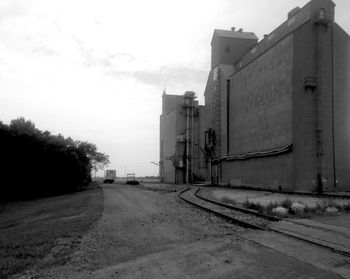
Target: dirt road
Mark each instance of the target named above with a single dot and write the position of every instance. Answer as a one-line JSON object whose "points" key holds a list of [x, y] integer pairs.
{"points": [[145, 233]]}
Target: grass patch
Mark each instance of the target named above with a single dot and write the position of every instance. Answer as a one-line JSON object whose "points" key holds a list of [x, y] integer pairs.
{"points": [[293, 210], [46, 231]]}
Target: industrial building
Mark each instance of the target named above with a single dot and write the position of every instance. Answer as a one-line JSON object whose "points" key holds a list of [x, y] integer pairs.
{"points": [[181, 156], [276, 112]]}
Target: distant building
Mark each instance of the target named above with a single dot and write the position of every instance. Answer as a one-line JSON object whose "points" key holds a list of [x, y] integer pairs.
{"points": [[277, 111]]}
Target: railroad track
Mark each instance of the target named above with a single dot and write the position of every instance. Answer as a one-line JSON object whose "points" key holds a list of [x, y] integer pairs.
{"points": [[334, 241], [274, 218]]}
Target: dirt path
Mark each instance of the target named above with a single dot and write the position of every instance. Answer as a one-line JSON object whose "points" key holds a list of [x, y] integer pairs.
{"points": [[152, 234]]}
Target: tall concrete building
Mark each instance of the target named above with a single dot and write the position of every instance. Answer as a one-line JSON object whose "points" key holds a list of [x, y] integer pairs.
{"points": [[180, 158], [277, 111]]}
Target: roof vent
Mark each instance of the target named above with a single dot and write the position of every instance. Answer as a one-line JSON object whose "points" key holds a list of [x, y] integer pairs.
{"points": [[240, 30], [293, 12], [233, 29]]}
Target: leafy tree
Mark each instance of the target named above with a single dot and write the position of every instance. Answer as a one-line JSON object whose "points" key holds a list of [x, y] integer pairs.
{"points": [[97, 159], [35, 163], [22, 126]]}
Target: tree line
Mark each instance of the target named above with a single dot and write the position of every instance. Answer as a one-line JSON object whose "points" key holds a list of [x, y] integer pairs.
{"points": [[35, 163]]}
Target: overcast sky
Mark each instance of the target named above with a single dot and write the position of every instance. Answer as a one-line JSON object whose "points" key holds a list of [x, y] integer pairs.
{"points": [[95, 70]]}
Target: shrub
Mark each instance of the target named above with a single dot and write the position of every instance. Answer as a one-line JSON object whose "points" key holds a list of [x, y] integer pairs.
{"points": [[280, 210], [133, 182], [332, 210], [297, 208]]}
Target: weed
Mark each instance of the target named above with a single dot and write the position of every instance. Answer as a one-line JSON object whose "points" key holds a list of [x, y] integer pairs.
{"points": [[253, 206], [258, 207], [247, 203], [338, 206], [319, 208], [309, 209], [287, 203], [228, 200], [270, 206], [328, 203], [346, 207]]}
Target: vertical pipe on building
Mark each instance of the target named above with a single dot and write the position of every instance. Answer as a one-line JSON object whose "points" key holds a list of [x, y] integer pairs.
{"points": [[228, 117], [192, 143], [210, 171], [319, 109], [334, 166], [187, 142], [325, 130], [211, 144], [326, 102]]}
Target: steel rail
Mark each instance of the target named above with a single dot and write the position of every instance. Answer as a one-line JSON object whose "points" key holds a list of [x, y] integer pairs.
{"points": [[221, 215], [245, 210]]}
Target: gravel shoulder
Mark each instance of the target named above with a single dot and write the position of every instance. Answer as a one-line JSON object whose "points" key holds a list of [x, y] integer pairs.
{"points": [[146, 232]]}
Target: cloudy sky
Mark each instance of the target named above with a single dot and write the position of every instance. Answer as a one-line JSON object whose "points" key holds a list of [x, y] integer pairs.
{"points": [[95, 70]]}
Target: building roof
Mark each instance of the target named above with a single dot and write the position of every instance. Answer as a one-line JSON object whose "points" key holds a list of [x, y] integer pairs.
{"points": [[234, 34]]}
